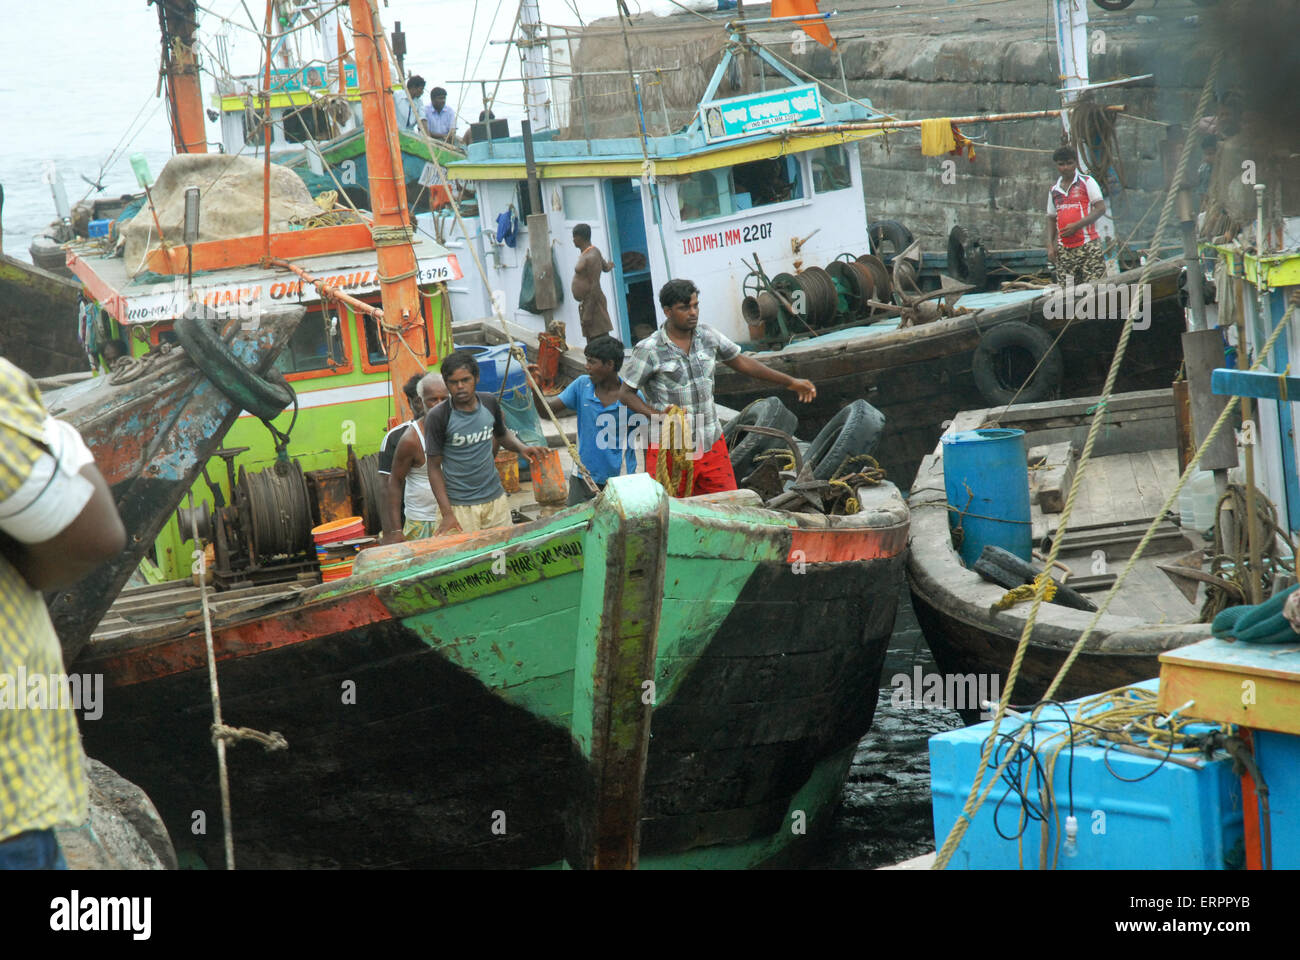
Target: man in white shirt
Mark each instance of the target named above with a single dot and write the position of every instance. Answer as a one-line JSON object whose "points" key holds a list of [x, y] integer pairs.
{"points": [[410, 106], [440, 119], [408, 478]]}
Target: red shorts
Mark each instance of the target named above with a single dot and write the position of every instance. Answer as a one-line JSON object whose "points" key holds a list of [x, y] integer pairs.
{"points": [[713, 472]]}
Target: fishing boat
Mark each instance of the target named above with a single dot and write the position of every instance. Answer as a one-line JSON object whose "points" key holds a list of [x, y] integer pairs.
{"points": [[1230, 799], [758, 198], [345, 364], [317, 124], [1134, 466], [696, 671], [1011, 346], [152, 425], [38, 318]]}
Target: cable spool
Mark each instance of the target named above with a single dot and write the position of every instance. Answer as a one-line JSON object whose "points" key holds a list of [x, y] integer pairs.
{"points": [[788, 286], [883, 285], [854, 287], [367, 490], [274, 502], [822, 296]]}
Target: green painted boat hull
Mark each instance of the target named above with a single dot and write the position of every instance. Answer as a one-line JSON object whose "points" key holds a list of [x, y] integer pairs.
{"points": [[478, 701]]}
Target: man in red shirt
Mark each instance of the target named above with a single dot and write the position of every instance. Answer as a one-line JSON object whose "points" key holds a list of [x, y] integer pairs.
{"points": [[1074, 205]]}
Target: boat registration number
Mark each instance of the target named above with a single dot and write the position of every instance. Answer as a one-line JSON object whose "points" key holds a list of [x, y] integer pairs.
{"points": [[434, 272], [750, 233]]}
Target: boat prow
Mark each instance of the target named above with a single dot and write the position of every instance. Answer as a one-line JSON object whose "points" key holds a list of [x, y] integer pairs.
{"points": [[152, 425], [697, 672]]}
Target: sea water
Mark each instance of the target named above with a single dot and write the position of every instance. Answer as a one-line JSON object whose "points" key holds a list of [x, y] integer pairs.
{"points": [[80, 80]]}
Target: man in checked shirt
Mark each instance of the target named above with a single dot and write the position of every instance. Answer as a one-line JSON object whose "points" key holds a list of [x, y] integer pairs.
{"points": [[674, 367], [57, 523]]}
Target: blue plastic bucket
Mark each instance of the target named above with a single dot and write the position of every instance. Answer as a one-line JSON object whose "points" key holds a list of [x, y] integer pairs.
{"points": [[986, 476], [491, 365]]}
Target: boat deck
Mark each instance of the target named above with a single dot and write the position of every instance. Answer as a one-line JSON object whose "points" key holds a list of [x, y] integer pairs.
{"points": [[1119, 495]]}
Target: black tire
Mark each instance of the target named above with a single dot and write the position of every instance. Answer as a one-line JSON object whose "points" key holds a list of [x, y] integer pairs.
{"points": [[1007, 570], [1113, 5], [999, 373], [966, 257], [745, 446], [891, 232], [854, 430], [262, 398]]}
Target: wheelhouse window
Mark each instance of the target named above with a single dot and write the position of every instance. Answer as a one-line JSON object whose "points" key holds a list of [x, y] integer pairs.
{"points": [[830, 169], [721, 192], [302, 124], [375, 354], [580, 203], [316, 343]]}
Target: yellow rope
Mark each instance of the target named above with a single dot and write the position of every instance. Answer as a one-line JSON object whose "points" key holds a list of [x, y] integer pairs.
{"points": [[975, 799], [674, 468], [1125, 717], [1026, 592]]}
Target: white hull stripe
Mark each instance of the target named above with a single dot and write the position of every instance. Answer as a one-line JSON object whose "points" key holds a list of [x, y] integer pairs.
{"points": [[331, 396]]}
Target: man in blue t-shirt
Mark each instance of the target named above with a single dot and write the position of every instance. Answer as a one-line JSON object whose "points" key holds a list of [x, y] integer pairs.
{"points": [[604, 443]]}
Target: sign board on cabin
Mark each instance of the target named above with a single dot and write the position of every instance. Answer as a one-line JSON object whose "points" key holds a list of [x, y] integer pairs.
{"points": [[759, 112], [308, 78]]}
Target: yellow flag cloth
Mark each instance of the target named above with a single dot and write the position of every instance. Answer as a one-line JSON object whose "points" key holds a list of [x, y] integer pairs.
{"points": [[936, 137]]}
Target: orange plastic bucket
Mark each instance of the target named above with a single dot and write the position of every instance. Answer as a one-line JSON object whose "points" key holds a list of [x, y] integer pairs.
{"points": [[549, 348], [508, 469], [349, 528], [550, 485]]}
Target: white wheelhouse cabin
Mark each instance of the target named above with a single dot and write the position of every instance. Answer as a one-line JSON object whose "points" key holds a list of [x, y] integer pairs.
{"points": [[740, 181]]}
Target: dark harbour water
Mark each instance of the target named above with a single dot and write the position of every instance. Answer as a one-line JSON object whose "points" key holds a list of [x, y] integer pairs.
{"points": [[884, 815]]}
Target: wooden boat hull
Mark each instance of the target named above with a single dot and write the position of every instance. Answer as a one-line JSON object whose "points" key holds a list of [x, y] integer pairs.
{"points": [[38, 320], [468, 737], [920, 377], [151, 437], [952, 603]]}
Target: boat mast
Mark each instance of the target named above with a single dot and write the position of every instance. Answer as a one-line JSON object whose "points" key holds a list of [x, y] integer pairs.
{"points": [[1071, 18], [531, 45], [408, 351], [180, 65]]}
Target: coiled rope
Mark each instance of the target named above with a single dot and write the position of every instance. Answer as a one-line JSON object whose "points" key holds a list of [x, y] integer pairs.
{"points": [[674, 468], [1229, 561]]}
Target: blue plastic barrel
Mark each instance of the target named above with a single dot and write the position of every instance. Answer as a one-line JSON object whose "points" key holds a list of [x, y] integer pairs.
{"points": [[492, 363], [986, 476]]}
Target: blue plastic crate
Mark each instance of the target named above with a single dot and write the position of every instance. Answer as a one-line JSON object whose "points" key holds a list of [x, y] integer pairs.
{"points": [[1175, 818], [98, 228]]}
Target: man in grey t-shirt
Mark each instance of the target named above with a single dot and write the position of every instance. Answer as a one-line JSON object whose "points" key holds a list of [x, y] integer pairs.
{"points": [[461, 455]]}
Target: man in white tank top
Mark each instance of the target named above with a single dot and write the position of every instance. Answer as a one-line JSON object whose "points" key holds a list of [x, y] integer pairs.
{"points": [[408, 481]]}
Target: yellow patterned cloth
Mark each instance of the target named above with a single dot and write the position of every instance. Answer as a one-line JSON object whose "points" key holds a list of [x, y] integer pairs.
{"points": [[41, 780]]}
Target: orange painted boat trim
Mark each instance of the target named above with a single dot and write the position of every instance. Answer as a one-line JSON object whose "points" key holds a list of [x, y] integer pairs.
{"points": [[183, 654], [846, 545], [247, 251]]}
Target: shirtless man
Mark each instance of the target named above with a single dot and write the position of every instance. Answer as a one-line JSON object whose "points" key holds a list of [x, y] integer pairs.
{"points": [[593, 313]]}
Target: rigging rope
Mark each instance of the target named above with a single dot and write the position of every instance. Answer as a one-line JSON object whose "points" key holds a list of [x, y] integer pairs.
{"points": [[974, 799]]}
